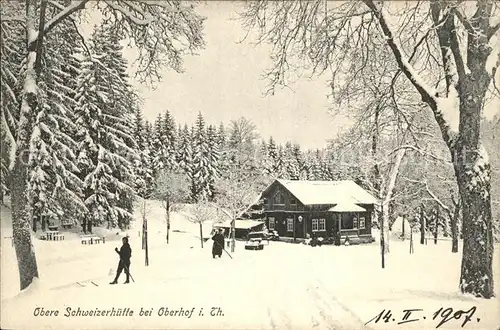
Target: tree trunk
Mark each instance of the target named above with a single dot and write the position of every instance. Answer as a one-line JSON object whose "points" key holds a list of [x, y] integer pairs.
{"points": [[146, 252], [454, 228], [25, 252], [168, 219], [201, 234], [422, 225], [388, 194], [233, 234], [470, 160], [436, 226], [472, 168], [382, 238], [477, 258], [411, 240], [403, 227], [34, 224]]}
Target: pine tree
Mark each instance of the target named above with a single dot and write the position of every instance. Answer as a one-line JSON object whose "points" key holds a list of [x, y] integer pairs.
{"points": [[224, 153], [143, 170], [168, 138], [54, 189], [221, 136], [292, 167], [272, 153], [12, 41], [315, 169], [122, 102], [4, 162], [201, 173], [185, 152], [107, 150], [263, 158], [214, 171], [279, 164], [158, 148]]}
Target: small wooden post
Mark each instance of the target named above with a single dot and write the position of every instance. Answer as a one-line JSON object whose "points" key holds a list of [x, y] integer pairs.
{"points": [[304, 227], [436, 224], [294, 233], [422, 225], [382, 240], [411, 240], [146, 242]]}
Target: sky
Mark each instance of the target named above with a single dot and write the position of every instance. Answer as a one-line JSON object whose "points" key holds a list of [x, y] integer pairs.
{"points": [[224, 82]]}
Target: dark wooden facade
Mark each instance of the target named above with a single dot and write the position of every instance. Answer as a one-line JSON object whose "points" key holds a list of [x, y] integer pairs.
{"points": [[285, 214]]}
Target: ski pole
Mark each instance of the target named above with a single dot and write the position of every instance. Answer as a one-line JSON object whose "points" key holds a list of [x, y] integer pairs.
{"points": [[224, 250], [126, 268]]}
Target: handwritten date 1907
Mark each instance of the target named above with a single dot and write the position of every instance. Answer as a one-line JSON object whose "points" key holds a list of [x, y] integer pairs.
{"points": [[442, 315]]}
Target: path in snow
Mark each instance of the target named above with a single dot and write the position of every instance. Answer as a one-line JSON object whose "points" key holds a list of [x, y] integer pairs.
{"points": [[285, 286]]}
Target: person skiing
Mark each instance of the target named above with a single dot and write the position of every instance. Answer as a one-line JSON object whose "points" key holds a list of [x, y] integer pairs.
{"points": [[218, 245], [125, 253]]}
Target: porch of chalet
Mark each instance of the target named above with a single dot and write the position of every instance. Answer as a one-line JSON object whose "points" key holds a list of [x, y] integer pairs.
{"points": [[335, 225]]}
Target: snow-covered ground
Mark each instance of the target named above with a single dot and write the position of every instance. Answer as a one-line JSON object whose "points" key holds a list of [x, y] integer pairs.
{"points": [[284, 286]]}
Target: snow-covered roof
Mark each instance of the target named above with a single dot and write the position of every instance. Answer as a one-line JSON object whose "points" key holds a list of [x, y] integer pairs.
{"points": [[328, 192], [240, 224], [347, 208]]}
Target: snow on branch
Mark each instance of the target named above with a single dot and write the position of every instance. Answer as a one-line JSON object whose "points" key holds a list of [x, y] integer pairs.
{"points": [[63, 14], [446, 208], [162, 31], [117, 5], [494, 29], [465, 21], [423, 152], [428, 93], [493, 60]]}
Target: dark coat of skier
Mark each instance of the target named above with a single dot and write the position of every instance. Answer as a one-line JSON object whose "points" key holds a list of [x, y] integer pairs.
{"points": [[125, 253], [218, 245]]}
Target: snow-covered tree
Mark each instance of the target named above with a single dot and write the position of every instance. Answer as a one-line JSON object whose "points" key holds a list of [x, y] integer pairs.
{"points": [[168, 138], [158, 147], [237, 190], [451, 76], [171, 188], [141, 23], [241, 142], [200, 213], [292, 167], [214, 155], [200, 184], [142, 166], [54, 189], [185, 152], [4, 162]]}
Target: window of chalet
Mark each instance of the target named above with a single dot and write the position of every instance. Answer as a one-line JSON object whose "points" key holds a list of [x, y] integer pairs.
{"points": [[347, 222], [272, 224], [278, 199], [289, 224], [266, 201], [362, 223], [355, 222], [293, 201], [318, 225], [322, 225]]}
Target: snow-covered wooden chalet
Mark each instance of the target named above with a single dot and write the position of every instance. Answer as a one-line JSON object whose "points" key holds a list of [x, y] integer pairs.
{"points": [[333, 210]]}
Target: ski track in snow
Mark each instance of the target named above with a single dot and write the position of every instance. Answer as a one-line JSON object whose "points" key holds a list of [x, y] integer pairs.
{"points": [[284, 286]]}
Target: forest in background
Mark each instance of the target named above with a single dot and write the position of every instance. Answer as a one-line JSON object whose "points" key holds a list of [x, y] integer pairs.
{"points": [[94, 152]]}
